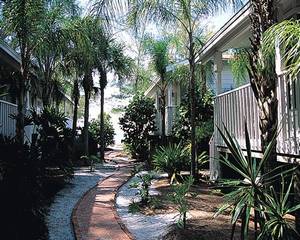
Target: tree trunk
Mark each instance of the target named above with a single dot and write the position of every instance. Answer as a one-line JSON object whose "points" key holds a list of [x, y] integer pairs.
{"points": [[103, 83], [263, 83], [163, 116], [21, 111], [203, 79], [193, 104], [102, 140], [297, 198], [76, 96], [86, 124]]}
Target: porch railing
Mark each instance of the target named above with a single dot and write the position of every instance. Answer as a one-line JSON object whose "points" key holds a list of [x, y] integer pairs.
{"points": [[170, 117], [238, 106], [234, 109], [7, 124]]}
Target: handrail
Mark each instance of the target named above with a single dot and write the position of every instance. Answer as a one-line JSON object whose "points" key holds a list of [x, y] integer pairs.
{"points": [[8, 103], [233, 90]]}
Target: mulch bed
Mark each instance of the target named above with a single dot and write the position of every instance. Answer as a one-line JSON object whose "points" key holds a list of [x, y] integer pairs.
{"points": [[202, 224]]}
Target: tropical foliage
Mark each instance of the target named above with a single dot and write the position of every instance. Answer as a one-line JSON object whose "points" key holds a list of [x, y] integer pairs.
{"points": [[159, 53], [286, 36], [253, 193], [109, 132], [204, 120], [179, 197], [239, 65], [138, 122], [185, 15], [172, 159]]}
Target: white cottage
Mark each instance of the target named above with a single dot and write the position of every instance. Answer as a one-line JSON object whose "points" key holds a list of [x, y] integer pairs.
{"points": [[10, 62], [234, 107], [176, 90]]}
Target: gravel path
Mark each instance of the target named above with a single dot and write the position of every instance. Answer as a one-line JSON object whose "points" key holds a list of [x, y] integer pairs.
{"points": [[59, 218], [141, 226]]}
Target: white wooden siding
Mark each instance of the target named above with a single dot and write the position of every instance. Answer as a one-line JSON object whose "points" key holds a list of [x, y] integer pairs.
{"points": [[238, 106], [7, 124]]}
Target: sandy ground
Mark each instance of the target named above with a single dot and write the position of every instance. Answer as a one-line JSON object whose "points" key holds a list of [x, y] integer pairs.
{"points": [[142, 227]]}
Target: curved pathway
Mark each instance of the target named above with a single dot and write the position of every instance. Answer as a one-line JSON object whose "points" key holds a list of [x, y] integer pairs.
{"points": [[95, 216], [59, 217]]}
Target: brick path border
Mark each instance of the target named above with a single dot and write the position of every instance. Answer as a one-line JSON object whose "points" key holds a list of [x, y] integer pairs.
{"points": [[88, 207]]}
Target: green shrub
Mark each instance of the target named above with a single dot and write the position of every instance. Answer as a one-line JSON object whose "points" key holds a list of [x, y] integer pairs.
{"points": [[143, 187], [137, 123], [22, 191], [178, 196], [54, 139], [172, 159], [181, 129], [109, 132]]}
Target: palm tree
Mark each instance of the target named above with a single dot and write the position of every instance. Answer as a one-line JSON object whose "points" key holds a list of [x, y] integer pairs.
{"points": [[88, 86], [48, 53], [79, 60], [21, 19], [159, 52], [187, 15], [111, 58], [263, 76], [287, 35]]}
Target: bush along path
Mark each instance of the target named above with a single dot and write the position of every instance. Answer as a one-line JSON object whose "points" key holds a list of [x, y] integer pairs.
{"points": [[95, 216]]}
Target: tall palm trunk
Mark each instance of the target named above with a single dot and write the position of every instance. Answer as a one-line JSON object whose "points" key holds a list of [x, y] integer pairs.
{"points": [[297, 198], [86, 123], [163, 109], [193, 104], [87, 87], [76, 96], [264, 82], [21, 86], [103, 83], [21, 113], [163, 117], [203, 79], [102, 140]]}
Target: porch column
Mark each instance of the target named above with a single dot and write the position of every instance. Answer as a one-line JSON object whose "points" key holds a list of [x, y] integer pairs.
{"points": [[218, 70], [178, 94], [170, 97], [158, 115]]}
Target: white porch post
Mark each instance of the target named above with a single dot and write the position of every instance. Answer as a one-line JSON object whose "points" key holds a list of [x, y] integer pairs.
{"points": [[158, 115], [214, 164], [169, 112], [170, 98], [178, 94], [218, 70]]}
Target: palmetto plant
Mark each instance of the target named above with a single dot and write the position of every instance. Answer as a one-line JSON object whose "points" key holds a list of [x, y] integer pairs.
{"points": [[171, 159], [179, 197], [277, 207], [250, 192]]}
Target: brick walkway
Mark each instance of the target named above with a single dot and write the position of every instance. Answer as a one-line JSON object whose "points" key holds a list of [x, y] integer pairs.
{"points": [[95, 217]]}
